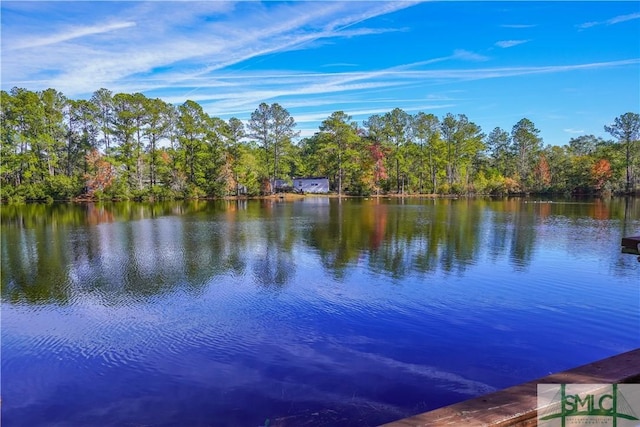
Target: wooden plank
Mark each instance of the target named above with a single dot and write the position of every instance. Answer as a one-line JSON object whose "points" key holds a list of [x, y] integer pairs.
{"points": [[516, 406], [631, 245], [631, 242]]}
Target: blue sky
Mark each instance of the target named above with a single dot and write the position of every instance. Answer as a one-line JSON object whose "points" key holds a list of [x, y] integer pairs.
{"points": [[570, 67]]}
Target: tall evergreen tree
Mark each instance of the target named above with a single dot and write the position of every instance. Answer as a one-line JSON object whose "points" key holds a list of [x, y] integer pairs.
{"points": [[426, 130], [626, 128], [397, 125], [192, 129], [273, 128], [103, 100], [82, 135], [499, 145], [338, 136], [158, 115], [527, 144]]}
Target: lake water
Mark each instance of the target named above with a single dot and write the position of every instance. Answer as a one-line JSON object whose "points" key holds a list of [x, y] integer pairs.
{"points": [[309, 312]]}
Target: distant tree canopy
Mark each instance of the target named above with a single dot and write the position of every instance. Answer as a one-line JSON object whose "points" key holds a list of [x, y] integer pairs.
{"points": [[128, 146]]}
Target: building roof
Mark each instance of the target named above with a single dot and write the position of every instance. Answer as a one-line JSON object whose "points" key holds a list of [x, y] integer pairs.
{"points": [[311, 177]]}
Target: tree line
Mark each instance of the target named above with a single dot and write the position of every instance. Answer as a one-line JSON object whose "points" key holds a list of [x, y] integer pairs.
{"points": [[129, 146]]}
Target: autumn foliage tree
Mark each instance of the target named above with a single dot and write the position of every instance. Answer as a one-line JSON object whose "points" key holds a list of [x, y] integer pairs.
{"points": [[100, 173], [542, 174], [601, 174], [377, 153]]}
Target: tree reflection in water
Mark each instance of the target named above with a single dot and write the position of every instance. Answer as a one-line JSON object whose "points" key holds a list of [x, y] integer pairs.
{"points": [[50, 252]]}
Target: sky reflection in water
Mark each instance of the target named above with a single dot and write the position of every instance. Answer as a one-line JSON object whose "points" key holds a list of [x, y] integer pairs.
{"points": [[327, 312]]}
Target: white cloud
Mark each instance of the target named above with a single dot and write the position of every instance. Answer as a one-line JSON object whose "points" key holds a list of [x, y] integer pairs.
{"points": [[510, 43], [339, 64], [229, 57], [469, 56], [487, 73], [373, 10], [71, 34], [573, 131], [615, 20], [588, 25], [623, 18], [239, 93], [279, 85], [149, 39]]}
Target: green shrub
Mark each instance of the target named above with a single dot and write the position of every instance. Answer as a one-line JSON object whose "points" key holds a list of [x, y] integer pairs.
{"points": [[62, 187], [16, 200], [7, 191], [359, 189], [118, 190], [32, 191], [444, 189], [458, 188], [480, 184], [159, 192], [192, 191]]}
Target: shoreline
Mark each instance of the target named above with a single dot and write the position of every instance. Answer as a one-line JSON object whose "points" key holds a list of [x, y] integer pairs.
{"points": [[296, 196]]}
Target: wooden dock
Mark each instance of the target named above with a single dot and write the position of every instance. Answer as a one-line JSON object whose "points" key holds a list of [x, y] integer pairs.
{"points": [[516, 406], [631, 245]]}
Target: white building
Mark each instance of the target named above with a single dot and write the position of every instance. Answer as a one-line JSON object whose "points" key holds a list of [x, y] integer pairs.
{"points": [[311, 185]]}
